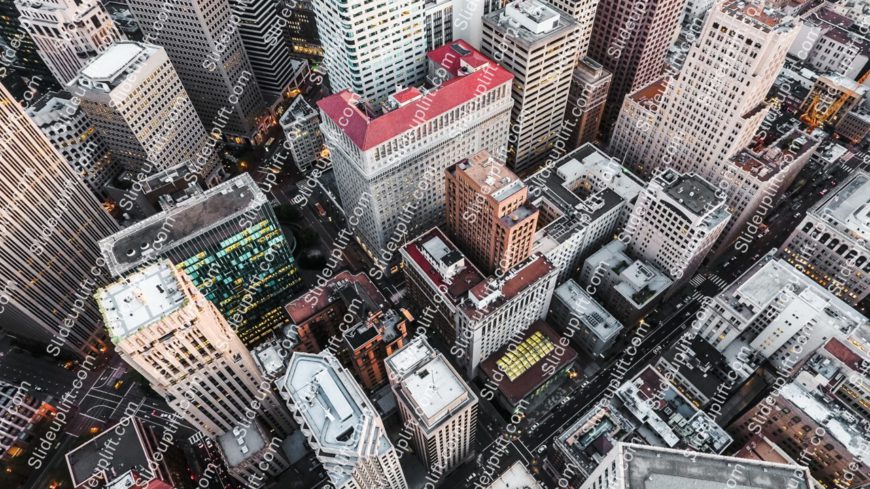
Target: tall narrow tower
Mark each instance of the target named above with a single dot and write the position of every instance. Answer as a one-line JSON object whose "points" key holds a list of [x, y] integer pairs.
{"points": [[50, 223], [263, 38], [171, 334], [538, 45], [370, 49], [67, 33], [203, 42], [630, 39]]}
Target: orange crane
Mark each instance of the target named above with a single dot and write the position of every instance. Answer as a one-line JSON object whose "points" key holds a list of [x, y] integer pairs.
{"points": [[813, 117]]}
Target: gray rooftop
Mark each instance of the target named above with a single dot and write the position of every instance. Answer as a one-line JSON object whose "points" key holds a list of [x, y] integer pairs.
{"points": [[849, 205], [660, 468], [589, 312], [140, 299], [694, 193], [428, 383], [111, 67], [195, 216], [240, 443]]}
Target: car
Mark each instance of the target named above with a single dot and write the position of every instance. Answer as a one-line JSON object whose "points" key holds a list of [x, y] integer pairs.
{"points": [[320, 210], [798, 214]]}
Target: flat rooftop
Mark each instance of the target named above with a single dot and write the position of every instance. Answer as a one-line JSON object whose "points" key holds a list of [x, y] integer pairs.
{"points": [[492, 177], [459, 286], [516, 280], [428, 383], [140, 299], [528, 22], [766, 17], [694, 193], [334, 407], [849, 204], [764, 163], [515, 477], [128, 453], [592, 315], [135, 245], [637, 281], [239, 444], [661, 468], [315, 300]]}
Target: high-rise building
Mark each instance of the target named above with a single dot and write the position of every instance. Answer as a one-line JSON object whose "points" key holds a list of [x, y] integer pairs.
{"points": [[590, 85], [133, 96], [582, 320], [758, 178], [438, 409], [73, 136], [21, 68], [715, 105], [371, 50], [51, 224], [370, 342], [830, 244], [522, 37], [582, 199], [583, 11], [164, 327], [301, 124], [262, 38], [302, 33], [68, 33], [488, 214], [203, 42], [630, 465], [228, 241], [775, 314], [391, 165], [467, 15], [251, 455], [438, 16], [21, 410], [675, 223], [630, 38], [340, 424]]}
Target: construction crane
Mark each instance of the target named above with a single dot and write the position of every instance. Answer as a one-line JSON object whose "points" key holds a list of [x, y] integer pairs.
{"points": [[814, 118]]}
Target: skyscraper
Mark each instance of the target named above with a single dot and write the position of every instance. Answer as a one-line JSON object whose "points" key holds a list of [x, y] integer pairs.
{"points": [[264, 44], [73, 136], [391, 165], [301, 124], [68, 33], [438, 17], [488, 213], [438, 409], [590, 85], [164, 327], [372, 49], [136, 101], [675, 223], [717, 103], [228, 241], [523, 37], [583, 11], [340, 423], [203, 42], [19, 62], [630, 38], [51, 223]]}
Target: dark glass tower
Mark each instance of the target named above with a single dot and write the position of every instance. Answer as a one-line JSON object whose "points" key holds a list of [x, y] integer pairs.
{"points": [[228, 241]]}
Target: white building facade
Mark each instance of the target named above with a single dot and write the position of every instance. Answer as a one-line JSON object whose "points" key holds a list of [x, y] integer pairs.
{"points": [[67, 33], [370, 48], [524, 37]]}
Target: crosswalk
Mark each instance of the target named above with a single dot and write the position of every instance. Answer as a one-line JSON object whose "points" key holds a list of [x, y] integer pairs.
{"points": [[719, 281], [697, 280]]}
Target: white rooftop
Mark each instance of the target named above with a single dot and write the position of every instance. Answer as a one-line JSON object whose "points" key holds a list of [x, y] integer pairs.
{"points": [[428, 382], [593, 316], [850, 205], [515, 477], [240, 443], [113, 60], [140, 299]]}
